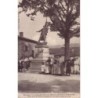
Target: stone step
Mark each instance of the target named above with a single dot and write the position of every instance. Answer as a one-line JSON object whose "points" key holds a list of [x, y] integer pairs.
{"points": [[35, 66]]}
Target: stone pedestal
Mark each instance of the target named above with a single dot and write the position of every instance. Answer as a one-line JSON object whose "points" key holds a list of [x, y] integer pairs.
{"points": [[42, 52]]}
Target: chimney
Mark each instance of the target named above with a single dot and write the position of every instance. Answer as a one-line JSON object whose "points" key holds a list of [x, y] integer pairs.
{"points": [[21, 34]]}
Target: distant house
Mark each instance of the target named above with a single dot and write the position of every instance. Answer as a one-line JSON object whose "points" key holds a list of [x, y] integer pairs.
{"points": [[26, 47], [74, 51]]}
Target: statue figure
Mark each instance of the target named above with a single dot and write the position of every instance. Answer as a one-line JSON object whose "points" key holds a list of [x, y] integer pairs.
{"points": [[44, 32]]}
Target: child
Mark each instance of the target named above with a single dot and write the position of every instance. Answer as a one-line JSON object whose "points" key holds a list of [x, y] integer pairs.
{"points": [[43, 67]]}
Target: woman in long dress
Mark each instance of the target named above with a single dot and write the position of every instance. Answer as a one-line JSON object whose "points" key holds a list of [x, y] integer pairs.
{"points": [[43, 67], [47, 68], [55, 69], [76, 66]]}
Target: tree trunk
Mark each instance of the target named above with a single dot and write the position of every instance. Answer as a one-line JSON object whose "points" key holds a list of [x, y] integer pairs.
{"points": [[67, 48], [67, 53]]}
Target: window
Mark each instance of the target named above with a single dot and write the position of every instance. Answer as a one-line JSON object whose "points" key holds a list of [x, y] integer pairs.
{"points": [[26, 48]]}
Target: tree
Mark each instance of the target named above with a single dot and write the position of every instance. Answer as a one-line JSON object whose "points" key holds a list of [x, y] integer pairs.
{"points": [[64, 16]]}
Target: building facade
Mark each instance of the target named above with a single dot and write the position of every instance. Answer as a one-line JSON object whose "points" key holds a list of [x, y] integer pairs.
{"points": [[26, 47]]}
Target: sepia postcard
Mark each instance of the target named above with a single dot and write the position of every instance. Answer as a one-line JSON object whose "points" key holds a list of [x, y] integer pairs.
{"points": [[48, 49]]}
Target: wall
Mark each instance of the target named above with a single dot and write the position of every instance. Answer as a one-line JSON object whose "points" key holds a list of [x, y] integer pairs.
{"points": [[25, 49]]}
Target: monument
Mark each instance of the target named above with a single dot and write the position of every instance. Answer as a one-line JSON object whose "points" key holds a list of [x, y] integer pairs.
{"points": [[42, 49]]}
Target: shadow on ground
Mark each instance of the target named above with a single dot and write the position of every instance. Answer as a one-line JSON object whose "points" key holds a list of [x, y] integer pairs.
{"points": [[53, 86]]}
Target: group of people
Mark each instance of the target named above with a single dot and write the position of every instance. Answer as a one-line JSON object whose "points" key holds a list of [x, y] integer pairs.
{"points": [[56, 66], [23, 64]]}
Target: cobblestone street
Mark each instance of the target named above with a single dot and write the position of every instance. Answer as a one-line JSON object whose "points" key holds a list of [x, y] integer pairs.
{"points": [[30, 83]]}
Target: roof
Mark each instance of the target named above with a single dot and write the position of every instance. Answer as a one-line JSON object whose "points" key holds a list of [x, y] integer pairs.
{"points": [[28, 40]]}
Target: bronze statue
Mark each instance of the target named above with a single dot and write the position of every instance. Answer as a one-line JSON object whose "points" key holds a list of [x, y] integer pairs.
{"points": [[44, 32]]}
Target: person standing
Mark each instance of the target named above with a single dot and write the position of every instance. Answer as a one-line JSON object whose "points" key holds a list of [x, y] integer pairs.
{"points": [[20, 65], [51, 64], [56, 67], [28, 64], [61, 66], [47, 69], [68, 67], [72, 65], [76, 66], [43, 67]]}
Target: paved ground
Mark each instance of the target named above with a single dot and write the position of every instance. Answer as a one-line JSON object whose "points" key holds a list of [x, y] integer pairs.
{"points": [[30, 84]]}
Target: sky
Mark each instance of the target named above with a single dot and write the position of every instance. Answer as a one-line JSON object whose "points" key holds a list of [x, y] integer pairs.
{"points": [[30, 29]]}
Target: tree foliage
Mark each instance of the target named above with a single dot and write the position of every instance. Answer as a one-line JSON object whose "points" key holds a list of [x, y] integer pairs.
{"points": [[64, 14]]}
